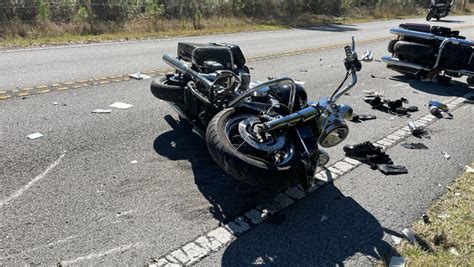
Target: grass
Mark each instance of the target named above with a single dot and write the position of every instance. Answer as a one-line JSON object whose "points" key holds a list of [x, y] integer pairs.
{"points": [[43, 33], [450, 234]]}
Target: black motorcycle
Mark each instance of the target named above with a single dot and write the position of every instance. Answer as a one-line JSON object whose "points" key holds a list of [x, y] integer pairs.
{"points": [[262, 133], [439, 9], [431, 52]]}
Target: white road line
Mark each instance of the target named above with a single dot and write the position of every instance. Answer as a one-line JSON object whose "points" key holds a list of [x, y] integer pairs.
{"points": [[101, 254], [43, 246], [32, 182]]}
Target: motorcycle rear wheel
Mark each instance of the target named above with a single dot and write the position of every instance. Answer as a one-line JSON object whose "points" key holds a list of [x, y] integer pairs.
{"points": [[250, 169], [168, 90]]}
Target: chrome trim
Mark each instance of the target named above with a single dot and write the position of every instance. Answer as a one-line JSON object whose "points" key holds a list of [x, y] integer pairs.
{"points": [[347, 88], [302, 115], [175, 63], [395, 61]]}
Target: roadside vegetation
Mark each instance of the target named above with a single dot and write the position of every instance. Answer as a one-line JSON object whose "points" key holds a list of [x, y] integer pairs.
{"points": [[449, 239], [38, 22]]}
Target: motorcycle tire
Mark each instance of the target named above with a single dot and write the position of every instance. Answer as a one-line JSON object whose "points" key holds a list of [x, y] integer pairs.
{"points": [[247, 169], [430, 14], [166, 90], [391, 46], [470, 81], [414, 50]]}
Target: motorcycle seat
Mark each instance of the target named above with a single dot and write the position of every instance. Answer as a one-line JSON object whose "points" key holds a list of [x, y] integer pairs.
{"points": [[416, 27]]}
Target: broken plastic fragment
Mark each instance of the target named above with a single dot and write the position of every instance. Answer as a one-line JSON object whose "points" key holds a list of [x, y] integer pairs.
{"points": [[34, 136], [454, 251], [139, 76], [468, 169], [323, 218], [446, 155], [134, 162], [120, 105], [367, 56], [98, 110], [55, 103]]}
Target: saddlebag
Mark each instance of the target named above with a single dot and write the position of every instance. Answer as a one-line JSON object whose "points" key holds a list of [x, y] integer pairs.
{"points": [[228, 55], [456, 57]]}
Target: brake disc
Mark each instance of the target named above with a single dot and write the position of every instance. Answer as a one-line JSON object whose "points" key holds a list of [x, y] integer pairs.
{"points": [[248, 130]]}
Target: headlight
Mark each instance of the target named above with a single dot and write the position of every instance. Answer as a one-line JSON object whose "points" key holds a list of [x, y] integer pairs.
{"points": [[335, 132]]}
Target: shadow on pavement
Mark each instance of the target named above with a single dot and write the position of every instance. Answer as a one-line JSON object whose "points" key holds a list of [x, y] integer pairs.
{"points": [[301, 237], [330, 28], [455, 88], [227, 196]]}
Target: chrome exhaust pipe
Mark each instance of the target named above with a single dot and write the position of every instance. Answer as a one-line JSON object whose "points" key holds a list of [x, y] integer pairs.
{"points": [[182, 67], [397, 62]]}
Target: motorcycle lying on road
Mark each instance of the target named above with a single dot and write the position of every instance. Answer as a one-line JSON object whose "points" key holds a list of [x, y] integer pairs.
{"points": [[439, 9], [264, 133], [431, 52]]}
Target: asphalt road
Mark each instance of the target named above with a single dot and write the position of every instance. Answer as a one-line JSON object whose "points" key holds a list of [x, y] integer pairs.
{"points": [[74, 196], [40, 66]]}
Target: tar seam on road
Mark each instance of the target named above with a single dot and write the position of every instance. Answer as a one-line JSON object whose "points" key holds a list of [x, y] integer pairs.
{"points": [[98, 81], [20, 191], [206, 244]]}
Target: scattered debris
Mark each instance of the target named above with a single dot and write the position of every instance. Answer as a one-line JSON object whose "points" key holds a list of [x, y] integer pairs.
{"points": [[120, 105], [457, 194], [440, 185], [375, 157], [303, 70], [410, 235], [397, 261], [101, 111], [437, 108], [414, 146], [323, 218], [367, 56], [419, 131], [34, 136], [454, 251], [55, 103], [443, 216], [390, 106], [363, 117], [426, 218], [372, 93], [446, 155], [468, 169], [139, 76], [173, 144], [134, 162]]}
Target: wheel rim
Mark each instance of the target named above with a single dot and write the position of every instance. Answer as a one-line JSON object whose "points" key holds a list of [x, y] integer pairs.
{"points": [[234, 138]]}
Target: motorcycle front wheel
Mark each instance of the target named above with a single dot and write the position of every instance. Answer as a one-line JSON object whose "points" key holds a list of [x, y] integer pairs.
{"points": [[246, 163], [430, 15]]}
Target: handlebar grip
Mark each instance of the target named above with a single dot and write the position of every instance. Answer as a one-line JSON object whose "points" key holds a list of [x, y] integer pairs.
{"points": [[348, 51]]}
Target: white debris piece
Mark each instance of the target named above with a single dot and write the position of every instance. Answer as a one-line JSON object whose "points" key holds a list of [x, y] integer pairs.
{"points": [[323, 218], [446, 155], [139, 76], [134, 162], [457, 194], [34, 136], [468, 169], [372, 93], [55, 103], [397, 261], [410, 235], [454, 251], [120, 105], [101, 111]]}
